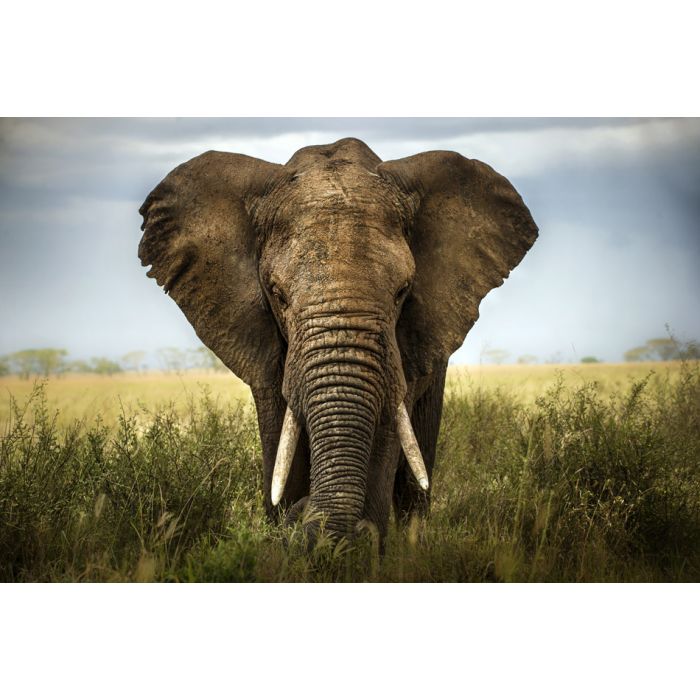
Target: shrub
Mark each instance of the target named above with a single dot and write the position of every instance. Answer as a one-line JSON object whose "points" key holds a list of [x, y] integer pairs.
{"points": [[571, 488]]}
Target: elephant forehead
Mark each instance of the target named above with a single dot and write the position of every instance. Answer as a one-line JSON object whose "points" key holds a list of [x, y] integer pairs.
{"points": [[342, 197], [344, 256]]}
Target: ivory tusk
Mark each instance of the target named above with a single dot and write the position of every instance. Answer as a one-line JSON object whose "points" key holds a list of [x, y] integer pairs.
{"points": [[410, 446], [285, 454]]}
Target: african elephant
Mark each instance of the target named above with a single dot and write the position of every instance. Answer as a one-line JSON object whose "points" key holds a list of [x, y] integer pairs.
{"points": [[337, 286]]}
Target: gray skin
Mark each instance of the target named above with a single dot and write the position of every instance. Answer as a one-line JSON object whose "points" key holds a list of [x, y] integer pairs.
{"points": [[337, 285]]}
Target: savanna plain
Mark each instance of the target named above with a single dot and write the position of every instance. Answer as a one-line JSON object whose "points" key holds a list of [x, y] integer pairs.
{"points": [[544, 473]]}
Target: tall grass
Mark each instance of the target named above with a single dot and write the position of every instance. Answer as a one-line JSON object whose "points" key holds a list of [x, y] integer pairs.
{"points": [[577, 486]]}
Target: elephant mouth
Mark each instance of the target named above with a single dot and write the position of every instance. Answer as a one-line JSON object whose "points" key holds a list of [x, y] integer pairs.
{"points": [[289, 438]]}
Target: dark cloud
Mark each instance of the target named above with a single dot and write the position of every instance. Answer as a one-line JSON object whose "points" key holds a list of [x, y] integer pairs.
{"points": [[50, 159]]}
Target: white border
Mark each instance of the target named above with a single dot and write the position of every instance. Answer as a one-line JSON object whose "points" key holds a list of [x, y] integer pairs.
{"points": [[365, 59], [342, 641], [368, 58]]}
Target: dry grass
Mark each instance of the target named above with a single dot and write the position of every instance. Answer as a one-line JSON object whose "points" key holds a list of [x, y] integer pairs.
{"points": [[528, 382], [83, 396], [543, 475]]}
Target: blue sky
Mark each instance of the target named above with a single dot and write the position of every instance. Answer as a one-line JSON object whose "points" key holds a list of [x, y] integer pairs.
{"points": [[617, 202]]}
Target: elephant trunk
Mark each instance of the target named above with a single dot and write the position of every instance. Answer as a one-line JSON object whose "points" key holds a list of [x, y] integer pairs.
{"points": [[341, 439], [340, 376], [343, 387]]}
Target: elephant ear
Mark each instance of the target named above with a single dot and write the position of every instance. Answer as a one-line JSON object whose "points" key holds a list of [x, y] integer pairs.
{"points": [[201, 246], [470, 229]]}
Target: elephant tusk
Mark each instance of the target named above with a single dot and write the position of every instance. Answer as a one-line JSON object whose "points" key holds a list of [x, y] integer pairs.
{"points": [[410, 446], [285, 454]]}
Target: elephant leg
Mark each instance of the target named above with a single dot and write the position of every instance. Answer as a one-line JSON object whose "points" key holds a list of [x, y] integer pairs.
{"points": [[270, 408], [409, 498]]}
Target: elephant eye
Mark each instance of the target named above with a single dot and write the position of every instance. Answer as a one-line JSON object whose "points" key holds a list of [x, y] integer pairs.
{"points": [[400, 295], [279, 296]]}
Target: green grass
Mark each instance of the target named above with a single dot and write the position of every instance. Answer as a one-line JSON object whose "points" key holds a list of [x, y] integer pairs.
{"points": [[583, 480]]}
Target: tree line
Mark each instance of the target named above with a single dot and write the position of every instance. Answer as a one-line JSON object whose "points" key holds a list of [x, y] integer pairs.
{"points": [[654, 350], [664, 350], [45, 362]]}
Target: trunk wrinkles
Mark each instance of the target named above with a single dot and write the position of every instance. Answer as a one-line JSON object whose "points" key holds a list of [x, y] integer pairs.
{"points": [[343, 384]]}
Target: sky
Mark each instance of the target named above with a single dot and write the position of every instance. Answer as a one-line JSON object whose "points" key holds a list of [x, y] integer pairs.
{"points": [[617, 202]]}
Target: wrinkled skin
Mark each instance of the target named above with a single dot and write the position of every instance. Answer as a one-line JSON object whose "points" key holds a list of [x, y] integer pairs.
{"points": [[337, 285]]}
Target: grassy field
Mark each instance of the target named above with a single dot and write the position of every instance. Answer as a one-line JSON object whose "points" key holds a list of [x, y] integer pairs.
{"points": [[528, 382], [571, 473], [84, 396]]}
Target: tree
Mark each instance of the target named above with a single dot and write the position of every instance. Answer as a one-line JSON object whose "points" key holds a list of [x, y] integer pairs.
{"points": [[103, 365], [664, 348], [44, 361], [171, 359], [527, 359], [50, 360], [23, 363], [637, 354], [80, 366], [495, 355], [4, 366], [590, 359], [133, 361]]}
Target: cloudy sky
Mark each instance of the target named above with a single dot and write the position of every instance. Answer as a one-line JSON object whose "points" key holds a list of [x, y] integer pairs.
{"points": [[617, 202]]}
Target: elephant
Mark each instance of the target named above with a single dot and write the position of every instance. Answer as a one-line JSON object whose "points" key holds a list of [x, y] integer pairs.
{"points": [[337, 286]]}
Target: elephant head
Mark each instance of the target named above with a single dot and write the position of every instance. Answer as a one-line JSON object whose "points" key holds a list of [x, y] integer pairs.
{"points": [[336, 286]]}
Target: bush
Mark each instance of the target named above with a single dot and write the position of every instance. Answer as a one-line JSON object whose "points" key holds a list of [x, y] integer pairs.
{"points": [[572, 488], [108, 502]]}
